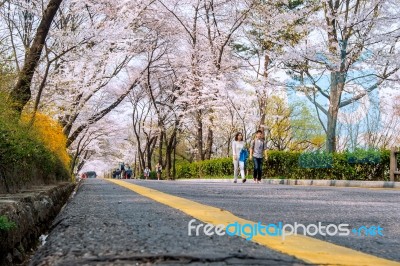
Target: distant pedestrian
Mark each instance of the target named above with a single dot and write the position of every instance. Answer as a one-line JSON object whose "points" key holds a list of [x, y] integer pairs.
{"points": [[118, 173], [159, 171], [128, 173], [122, 168], [237, 147], [257, 149], [146, 173]]}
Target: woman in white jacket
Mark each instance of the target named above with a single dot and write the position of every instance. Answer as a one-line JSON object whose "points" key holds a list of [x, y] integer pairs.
{"points": [[237, 146]]}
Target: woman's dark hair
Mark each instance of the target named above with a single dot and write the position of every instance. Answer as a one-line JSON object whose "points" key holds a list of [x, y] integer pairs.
{"points": [[259, 131], [237, 136]]}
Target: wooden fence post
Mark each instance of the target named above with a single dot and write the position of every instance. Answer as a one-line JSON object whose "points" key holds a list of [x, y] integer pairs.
{"points": [[393, 163]]}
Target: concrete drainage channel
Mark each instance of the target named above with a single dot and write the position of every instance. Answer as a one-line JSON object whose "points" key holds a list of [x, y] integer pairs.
{"points": [[32, 212]]}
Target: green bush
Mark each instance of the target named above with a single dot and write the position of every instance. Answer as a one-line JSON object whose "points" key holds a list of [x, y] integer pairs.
{"points": [[357, 165], [24, 158], [316, 160], [5, 224], [214, 167]]}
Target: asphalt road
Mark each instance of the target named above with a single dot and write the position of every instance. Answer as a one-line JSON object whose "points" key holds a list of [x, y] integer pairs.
{"points": [[108, 224]]}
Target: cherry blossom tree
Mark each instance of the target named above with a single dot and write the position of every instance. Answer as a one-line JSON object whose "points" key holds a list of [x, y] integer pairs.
{"points": [[351, 49], [206, 31], [21, 93]]}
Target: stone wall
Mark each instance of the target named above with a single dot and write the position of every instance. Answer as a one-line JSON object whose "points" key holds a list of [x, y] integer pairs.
{"points": [[32, 212]]}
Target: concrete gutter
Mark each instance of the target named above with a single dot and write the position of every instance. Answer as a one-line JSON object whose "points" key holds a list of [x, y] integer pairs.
{"points": [[309, 182], [32, 211]]}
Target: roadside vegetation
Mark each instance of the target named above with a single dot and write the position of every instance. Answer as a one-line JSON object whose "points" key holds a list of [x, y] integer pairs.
{"points": [[30, 154], [357, 165], [5, 224]]}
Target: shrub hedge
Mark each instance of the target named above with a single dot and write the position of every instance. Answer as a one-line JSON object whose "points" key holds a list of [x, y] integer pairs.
{"points": [[357, 165]]}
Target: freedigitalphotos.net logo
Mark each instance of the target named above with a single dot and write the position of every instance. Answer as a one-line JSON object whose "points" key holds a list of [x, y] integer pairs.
{"points": [[249, 231]]}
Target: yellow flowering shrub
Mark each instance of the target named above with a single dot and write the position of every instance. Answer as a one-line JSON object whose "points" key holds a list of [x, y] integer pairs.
{"points": [[50, 133]]}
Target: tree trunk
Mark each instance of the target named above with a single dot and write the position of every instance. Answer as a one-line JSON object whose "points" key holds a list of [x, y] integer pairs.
{"points": [[160, 147], [199, 144], [168, 155], [142, 163], [337, 84], [229, 142], [149, 153], [73, 162], [210, 137], [170, 150], [86, 156], [39, 95], [150, 150], [168, 160], [262, 118], [21, 93], [174, 159], [263, 97], [335, 92]]}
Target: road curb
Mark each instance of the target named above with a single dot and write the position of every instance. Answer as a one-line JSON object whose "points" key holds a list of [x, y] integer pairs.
{"points": [[310, 182]]}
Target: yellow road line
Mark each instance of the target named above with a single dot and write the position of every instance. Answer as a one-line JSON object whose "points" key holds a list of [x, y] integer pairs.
{"points": [[307, 249]]}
